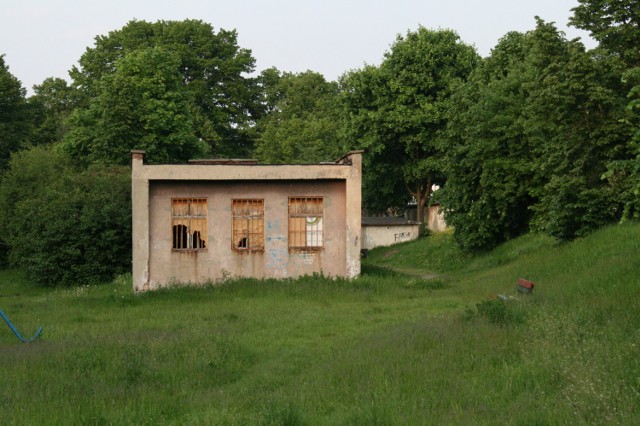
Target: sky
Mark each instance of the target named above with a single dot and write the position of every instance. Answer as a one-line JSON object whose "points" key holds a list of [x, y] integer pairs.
{"points": [[46, 38]]}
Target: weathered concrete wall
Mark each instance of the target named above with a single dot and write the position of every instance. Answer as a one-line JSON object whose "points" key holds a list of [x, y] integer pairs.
{"points": [[435, 220], [376, 236], [139, 223], [156, 264], [276, 261]]}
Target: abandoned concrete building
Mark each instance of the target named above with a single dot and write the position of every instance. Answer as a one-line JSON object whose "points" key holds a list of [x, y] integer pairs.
{"points": [[209, 219]]}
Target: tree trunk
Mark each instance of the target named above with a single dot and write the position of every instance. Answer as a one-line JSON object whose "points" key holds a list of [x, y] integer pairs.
{"points": [[422, 196]]}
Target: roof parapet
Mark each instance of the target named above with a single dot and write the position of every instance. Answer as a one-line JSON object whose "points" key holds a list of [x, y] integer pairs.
{"points": [[234, 161], [346, 159]]}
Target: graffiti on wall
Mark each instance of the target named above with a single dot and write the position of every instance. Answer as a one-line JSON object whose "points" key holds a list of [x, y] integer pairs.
{"points": [[402, 236]]}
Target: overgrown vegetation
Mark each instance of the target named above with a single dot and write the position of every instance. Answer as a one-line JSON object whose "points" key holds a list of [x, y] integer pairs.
{"points": [[66, 225], [531, 136], [387, 348], [398, 112]]}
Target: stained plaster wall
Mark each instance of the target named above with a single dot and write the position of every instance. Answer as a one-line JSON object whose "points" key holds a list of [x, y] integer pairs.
{"points": [[376, 236], [219, 259], [155, 264]]}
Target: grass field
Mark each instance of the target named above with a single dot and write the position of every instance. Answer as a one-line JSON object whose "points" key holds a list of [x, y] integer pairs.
{"points": [[420, 338]]}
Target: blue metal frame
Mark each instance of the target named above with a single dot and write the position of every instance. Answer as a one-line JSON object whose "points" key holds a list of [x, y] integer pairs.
{"points": [[16, 332]]}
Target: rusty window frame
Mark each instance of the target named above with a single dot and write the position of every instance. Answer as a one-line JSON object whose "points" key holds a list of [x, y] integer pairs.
{"points": [[247, 225], [306, 223], [189, 224]]}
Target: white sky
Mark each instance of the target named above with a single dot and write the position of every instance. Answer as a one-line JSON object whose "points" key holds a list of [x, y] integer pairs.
{"points": [[45, 38]]}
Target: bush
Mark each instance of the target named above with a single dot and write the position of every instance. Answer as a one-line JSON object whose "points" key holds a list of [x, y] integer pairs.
{"points": [[499, 312], [571, 208], [65, 225]]}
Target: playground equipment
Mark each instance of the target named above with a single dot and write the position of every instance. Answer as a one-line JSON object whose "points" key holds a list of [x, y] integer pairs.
{"points": [[16, 332]]}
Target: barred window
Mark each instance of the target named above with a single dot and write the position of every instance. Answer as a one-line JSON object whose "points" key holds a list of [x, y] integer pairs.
{"points": [[247, 234], [306, 222], [189, 223]]}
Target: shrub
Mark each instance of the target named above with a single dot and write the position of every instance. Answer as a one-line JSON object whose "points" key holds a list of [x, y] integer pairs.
{"points": [[65, 225], [499, 312]]}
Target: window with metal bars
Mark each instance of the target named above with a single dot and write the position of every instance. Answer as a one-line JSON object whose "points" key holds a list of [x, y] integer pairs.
{"points": [[247, 233], [306, 224], [189, 223]]}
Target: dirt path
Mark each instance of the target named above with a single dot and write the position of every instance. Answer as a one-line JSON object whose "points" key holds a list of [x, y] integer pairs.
{"points": [[416, 273], [411, 272]]}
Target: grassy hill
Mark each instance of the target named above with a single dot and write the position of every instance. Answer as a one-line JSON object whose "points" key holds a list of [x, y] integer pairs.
{"points": [[419, 338]]}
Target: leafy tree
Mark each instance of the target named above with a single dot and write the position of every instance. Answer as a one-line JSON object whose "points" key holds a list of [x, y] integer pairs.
{"points": [[616, 25], [65, 225], [626, 173], [575, 114], [15, 115], [52, 104], [382, 184], [142, 104], [489, 162], [224, 102], [398, 111], [302, 122], [530, 135]]}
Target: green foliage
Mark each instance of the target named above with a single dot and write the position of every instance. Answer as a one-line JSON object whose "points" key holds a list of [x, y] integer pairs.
{"points": [[628, 171], [141, 105], [15, 115], [52, 103], [530, 136], [490, 168], [302, 120], [614, 23], [624, 173], [15, 127], [208, 65], [397, 112], [571, 208], [381, 186], [65, 225], [579, 133], [501, 312]]}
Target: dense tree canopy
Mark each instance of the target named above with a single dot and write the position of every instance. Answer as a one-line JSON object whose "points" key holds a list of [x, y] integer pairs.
{"points": [[529, 139], [52, 103], [616, 25], [302, 122], [489, 167], [399, 110], [15, 116], [575, 115], [66, 225], [212, 68], [142, 104], [382, 187]]}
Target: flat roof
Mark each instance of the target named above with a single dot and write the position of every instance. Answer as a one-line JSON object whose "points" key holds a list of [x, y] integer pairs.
{"points": [[387, 221]]}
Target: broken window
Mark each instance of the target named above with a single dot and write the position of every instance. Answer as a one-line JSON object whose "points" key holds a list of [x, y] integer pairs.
{"points": [[189, 223], [247, 232], [306, 222]]}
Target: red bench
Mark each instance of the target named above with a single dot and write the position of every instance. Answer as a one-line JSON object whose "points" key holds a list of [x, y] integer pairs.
{"points": [[525, 286]]}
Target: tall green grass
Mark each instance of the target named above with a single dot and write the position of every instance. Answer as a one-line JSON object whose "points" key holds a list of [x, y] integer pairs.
{"points": [[420, 338]]}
